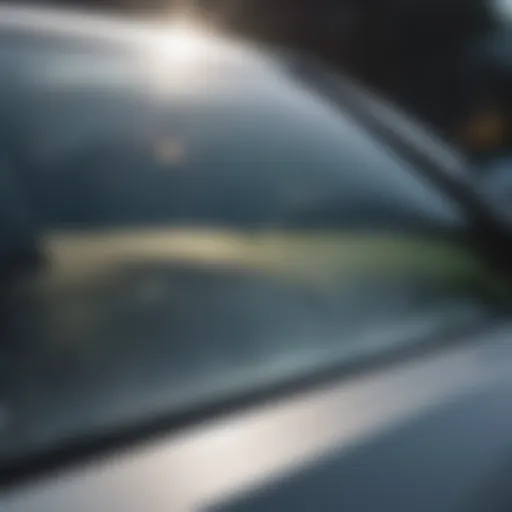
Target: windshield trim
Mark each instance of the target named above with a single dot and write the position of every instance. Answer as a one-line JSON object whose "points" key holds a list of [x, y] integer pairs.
{"points": [[440, 162]]}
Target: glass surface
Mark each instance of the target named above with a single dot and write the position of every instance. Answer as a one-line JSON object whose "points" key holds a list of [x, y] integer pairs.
{"points": [[204, 239]]}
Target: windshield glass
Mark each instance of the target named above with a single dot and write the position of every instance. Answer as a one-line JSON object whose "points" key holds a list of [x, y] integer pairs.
{"points": [[203, 235]]}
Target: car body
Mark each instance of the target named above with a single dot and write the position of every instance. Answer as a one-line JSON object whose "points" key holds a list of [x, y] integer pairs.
{"points": [[250, 278]]}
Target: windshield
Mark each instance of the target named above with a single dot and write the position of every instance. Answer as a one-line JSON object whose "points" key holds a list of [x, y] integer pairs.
{"points": [[203, 235]]}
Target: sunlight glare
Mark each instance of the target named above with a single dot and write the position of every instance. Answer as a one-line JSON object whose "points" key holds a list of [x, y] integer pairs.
{"points": [[183, 44], [180, 50]]}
